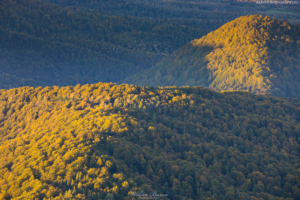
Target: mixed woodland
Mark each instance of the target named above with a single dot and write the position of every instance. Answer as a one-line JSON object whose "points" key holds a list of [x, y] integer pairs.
{"points": [[107, 141]]}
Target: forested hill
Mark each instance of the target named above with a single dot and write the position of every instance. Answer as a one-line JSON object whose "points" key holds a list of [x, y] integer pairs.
{"points": [[254, 53], [105, 141], [44, 44]]}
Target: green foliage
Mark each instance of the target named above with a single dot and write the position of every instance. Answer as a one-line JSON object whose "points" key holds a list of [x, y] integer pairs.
{"points": [[253, 53], [43, 44], [97, 142]]}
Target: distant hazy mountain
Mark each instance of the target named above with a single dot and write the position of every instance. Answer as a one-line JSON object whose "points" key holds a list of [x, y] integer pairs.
{"points": [[207, 15], [254, 53], [44, 44]]}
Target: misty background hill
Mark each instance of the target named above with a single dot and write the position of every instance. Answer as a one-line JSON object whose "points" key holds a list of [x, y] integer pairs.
{"points": [[43, 44], [207, 15]]}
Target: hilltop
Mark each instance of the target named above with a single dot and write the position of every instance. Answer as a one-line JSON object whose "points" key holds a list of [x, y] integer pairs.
{"points": [[253, 53], [105, 141], [43, 44]]}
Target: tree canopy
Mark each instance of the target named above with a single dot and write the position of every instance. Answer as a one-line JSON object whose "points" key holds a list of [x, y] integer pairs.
{"points": [[106, 141]]}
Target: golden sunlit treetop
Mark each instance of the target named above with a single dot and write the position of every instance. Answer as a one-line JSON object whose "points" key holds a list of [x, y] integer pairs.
{"points": [[104, 141]]}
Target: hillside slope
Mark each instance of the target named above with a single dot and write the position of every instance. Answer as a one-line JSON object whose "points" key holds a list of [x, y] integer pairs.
{"points": [[105, 141], [43, 44], [253, 53]]}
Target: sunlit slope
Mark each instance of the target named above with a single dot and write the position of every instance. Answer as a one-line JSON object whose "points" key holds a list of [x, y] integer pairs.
{"points": [[43, 44], [104, 140], [253, 53]]}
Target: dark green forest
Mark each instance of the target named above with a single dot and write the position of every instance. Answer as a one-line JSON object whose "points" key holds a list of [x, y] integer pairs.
{"points": [[106, 141], [253, 53], [43, 44]]}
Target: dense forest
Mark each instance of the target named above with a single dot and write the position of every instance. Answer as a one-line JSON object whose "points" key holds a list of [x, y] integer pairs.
{"points": [[107, 141], [43, 44], [193, 140], [254, 53]]}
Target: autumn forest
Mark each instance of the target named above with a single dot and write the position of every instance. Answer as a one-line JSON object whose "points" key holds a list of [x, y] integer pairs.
{"points": [[149, 99], [101, 140]]}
